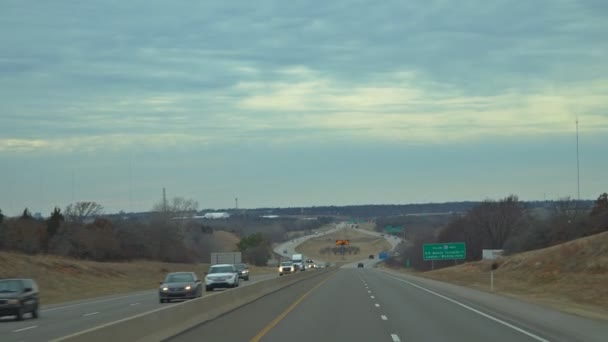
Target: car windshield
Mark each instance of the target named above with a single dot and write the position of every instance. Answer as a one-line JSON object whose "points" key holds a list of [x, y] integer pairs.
{"points": [[286, 264], [10, 286], [221, 269], [240, 267], [179, 278]]}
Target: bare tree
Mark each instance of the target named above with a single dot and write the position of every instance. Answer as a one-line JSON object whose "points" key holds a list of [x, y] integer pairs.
{"points": [[179, 207], [81, 211], [565, 209]]}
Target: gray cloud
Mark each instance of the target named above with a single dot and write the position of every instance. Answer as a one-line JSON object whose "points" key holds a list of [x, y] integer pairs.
{"points": [[72, 69]]}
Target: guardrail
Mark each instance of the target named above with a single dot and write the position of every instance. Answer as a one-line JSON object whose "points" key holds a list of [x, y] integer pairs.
{"points": [[165, 322]]}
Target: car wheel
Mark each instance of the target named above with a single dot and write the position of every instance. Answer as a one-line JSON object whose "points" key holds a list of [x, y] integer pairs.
{"points": [[208, 288], [19, 316], [247, 278], [35, 313], [280, 274], [161, 300]]}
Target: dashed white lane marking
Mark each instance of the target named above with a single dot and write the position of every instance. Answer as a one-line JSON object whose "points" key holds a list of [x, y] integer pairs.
{"points": [[133, 304], [24, 329], [372, 297], [384, 318], [90, 314], [538, 338], [395, 338], [369, 291], [377, 305], [98, 301]]}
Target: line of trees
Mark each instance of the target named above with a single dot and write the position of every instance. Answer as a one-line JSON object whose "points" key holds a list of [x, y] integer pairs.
{"points": [[81, 231], [507, 224]]}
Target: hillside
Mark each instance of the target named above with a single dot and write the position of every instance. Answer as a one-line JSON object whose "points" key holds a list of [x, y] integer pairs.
{"points": [[572, 276], [225, 241], [368, 244]]}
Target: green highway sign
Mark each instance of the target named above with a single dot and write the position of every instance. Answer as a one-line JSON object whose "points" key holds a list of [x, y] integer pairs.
{"points": [[391, 229], [444, 251]]}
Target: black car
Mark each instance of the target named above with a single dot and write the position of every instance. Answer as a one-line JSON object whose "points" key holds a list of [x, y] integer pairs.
{"points": [[243, 270], [18, 297], [360, 265], [180, 285], [371, 256]]}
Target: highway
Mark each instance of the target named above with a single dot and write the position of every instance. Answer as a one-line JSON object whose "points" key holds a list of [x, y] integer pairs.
{"points": [[67, 318], [367, 304], [346, 304], [288, 248]]}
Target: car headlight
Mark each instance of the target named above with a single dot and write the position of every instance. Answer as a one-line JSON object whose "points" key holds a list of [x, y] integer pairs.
{"points": [[246, 272], [187, 288], [12, 301], [165, 289]]}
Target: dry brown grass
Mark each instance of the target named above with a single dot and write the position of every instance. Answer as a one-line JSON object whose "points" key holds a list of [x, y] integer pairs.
{"points": [[63, 279], [225, 241], [572, 277], [368, 245]]}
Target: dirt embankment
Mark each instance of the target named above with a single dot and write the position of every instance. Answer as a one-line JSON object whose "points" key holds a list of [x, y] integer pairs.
{"points": [[572, 277], [366, 243]]}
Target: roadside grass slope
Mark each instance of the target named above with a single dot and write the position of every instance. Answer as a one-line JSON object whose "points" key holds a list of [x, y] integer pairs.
{"points": [[572, 277], [64, 279]]}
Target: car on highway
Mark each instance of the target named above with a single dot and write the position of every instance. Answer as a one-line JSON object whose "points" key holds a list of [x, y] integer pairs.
{"points": [[221, 276], [287, 267], [243, 270], [19, 297], [360, 265], [180, 285], [371, 256]]}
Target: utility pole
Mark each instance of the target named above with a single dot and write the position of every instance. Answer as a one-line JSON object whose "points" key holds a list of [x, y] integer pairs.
{"points": [[236, 203], [164, 200], [578, 173]]}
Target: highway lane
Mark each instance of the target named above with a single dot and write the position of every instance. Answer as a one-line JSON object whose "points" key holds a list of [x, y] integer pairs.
{"points": [[64, 319], [372, 305]]}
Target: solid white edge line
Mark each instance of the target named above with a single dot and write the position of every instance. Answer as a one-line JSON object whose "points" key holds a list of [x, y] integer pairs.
{"points": [[133, 304], [395, 338], [384, 318], [90, 314], [538, 338], [24, 329]]}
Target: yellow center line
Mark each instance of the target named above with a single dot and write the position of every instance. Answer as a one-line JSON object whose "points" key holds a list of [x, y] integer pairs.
{"points": [[276, 321]]}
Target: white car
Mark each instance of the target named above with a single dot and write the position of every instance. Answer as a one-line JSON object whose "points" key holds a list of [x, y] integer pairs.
{"points": [[221, 276], [287, 267]]}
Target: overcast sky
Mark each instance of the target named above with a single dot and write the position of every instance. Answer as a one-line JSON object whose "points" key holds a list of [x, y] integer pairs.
{"points": [[300, 103]]}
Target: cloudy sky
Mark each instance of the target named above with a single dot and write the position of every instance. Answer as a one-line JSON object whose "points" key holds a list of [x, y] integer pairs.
{"points": [[300, 103]]}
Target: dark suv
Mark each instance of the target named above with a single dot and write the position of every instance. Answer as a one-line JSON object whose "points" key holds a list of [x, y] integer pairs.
{"points": [[18, 297]]}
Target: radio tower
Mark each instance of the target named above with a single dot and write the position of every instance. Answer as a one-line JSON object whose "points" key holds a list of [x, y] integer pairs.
{"points": [[578, 173], [236, 203]]}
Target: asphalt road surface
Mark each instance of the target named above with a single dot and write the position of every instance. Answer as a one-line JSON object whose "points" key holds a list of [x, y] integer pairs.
{"points": [[68, 318], [364, 304]]}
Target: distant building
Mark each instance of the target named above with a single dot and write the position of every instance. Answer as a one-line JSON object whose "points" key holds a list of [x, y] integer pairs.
{"points": [[215, 216]]}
